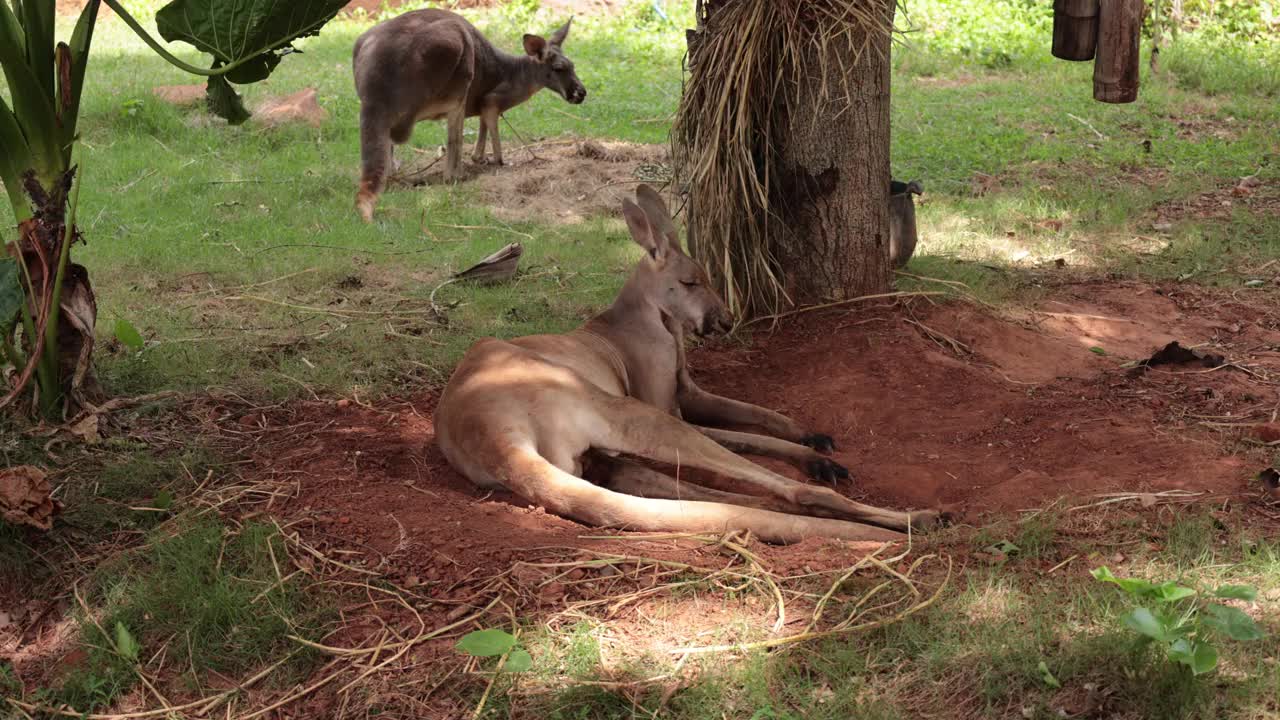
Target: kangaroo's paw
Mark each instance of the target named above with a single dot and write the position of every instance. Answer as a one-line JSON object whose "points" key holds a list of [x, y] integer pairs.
{"points": [[818, 441], [827, 470], [926, 520]]}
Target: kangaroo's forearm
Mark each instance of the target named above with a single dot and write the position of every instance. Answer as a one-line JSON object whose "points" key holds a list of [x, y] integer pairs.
{"points": [[703, 408]]}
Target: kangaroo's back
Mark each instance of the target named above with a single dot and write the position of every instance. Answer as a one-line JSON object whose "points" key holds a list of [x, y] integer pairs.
{"points": [[434, 65], [415, 57]]}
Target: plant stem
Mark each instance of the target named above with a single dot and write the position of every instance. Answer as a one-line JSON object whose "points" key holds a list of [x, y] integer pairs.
{"points": [[13, 354], [30, 310], [137, 28], [50, 395]]}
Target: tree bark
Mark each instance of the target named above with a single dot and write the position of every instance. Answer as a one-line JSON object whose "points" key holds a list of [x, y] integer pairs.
{"points": [[834, 182]]}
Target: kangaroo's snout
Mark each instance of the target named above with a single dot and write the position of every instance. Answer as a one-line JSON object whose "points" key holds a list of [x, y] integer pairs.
{"points": [[575, 95], [715, 323]]}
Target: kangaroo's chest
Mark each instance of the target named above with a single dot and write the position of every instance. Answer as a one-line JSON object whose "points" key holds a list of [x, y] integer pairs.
{"points": [[656, 382]]}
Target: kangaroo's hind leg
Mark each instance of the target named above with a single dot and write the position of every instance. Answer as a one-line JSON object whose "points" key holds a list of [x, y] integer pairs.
{"points": [[375, 158], [633, 427], [806, 458], [632, 478]]}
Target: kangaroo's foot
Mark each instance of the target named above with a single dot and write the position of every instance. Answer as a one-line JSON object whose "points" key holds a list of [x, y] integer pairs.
{"points": [[365, 200], [820, 442], [827, 470]]}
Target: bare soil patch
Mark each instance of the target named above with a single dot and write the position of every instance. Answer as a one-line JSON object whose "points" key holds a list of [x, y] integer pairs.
{"points": [[1253, 195], [564, 181], [75, 7], [1015, 414]]}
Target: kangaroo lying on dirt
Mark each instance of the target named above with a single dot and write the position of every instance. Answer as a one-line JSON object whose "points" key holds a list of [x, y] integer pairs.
{"points": [[522, 414], [432, 65]]}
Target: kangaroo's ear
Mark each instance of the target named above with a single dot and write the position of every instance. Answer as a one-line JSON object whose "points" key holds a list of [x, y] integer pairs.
{"points": [[659, 217], [642, 231], [557, 37], [534, 45]]}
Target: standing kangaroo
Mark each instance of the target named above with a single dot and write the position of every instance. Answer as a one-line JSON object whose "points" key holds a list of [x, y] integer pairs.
{"points": [[432, 65], [522, 414]]}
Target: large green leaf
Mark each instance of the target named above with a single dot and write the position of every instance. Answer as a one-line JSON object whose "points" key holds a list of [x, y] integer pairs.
{"points": [[518, 661], [1133, 586], [15, 158], [1236, 592], [1171, 592], [1201, 657], [251, 34], [32, 103], [10, 293], [1204, 659], [487, 643], [1143, 621], [37, 21], [1231, 622]]}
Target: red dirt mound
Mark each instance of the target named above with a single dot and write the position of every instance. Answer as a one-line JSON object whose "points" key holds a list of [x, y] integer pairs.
{"points": [[929, 405]]}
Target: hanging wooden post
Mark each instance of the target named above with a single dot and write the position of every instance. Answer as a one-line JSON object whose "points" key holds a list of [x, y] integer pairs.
{"points": [[1075, 29], [1117, 66]]}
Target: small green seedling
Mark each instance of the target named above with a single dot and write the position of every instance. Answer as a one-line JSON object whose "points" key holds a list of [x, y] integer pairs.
{"points": [[1047, 677], [126, 645], [497, 643], [1004, 547], [1182, 622], [128, 335]]}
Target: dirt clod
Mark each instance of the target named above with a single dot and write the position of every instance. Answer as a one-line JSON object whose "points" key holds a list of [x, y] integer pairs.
{"points": [[180, 95], [301, 108]]}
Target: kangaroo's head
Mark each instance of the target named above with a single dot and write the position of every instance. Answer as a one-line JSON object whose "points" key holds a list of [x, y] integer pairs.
{"points": [[557, 70], [667, 277]]}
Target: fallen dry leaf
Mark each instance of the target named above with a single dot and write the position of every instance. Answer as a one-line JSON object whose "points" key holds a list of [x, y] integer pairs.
{"points": [[87, 429], [25, 497]]}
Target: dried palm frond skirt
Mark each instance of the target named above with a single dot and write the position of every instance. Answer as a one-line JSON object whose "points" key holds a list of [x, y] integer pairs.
{"points": [[751, 71]]}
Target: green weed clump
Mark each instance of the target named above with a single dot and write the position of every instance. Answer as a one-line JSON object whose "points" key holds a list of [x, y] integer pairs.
{"points": [[208, 595]]}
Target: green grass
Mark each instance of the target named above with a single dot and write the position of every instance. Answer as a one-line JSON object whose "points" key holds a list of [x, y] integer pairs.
{"points": [[208, 594], [185, 216]]}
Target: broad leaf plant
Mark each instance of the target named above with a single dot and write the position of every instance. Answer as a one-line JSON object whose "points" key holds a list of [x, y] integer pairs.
{"points": [[47, 306]]}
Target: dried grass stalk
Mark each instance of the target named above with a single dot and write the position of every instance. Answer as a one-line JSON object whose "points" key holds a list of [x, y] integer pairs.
{"points": [[748, 62]]}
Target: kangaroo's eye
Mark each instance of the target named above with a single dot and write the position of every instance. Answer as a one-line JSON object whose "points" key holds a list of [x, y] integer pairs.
{"points": [[690, 283]]}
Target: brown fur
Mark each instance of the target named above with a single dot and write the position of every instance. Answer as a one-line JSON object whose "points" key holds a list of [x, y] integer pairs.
{"points": [[434, 65], [523, 413]]}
